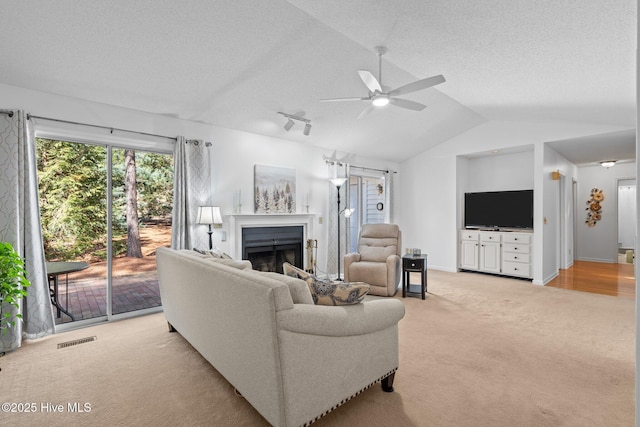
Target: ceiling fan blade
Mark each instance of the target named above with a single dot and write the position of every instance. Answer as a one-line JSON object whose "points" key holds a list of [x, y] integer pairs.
{"points": [[366, 112], [342, 99], [405, 103], [370, 81], [418, 85]]}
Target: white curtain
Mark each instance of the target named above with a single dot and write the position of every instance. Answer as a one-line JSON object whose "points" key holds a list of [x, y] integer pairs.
{"points": [[20, 225], [191, 188], [388, 196], [337, 170]]}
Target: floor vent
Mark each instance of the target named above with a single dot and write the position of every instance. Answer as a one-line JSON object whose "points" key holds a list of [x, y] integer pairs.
{"points": [[76, 342]]}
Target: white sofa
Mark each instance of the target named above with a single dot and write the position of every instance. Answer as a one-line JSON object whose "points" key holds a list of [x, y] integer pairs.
{"points": [[293, 361]]}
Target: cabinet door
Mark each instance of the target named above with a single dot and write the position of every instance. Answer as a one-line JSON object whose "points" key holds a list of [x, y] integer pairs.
{"points": [[469, 255], [490, 257]]}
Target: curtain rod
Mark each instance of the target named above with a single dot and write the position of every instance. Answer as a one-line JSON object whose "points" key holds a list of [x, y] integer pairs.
{"points": [[30, 116], [358, 167], [374, 169], [7, 112]]}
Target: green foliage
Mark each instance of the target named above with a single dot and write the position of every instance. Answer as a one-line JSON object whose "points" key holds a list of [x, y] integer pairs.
{"points": [[13, 280], [72, 179], [73, 197]]}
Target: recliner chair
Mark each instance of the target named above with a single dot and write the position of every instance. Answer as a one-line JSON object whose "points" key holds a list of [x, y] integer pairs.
{"points": [[378, 260]]}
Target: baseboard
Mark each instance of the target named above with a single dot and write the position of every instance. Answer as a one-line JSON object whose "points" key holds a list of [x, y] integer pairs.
{"points": [[607, 261], [547, 279], [440, 268]]}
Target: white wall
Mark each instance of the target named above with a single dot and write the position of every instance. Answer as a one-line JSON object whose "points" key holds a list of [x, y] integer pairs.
{"points": [[498, 172], [600, 243], [234, 153], [558, 218], [430, 189]]}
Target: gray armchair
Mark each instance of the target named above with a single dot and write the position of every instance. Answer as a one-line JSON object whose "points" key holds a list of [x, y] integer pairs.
{"points": [[377, 261]]}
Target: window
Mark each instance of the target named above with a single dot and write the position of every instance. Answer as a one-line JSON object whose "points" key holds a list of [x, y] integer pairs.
{"points": [[366, 196]]}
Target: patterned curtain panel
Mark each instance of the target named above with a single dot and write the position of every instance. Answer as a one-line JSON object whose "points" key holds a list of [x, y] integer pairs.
{"points": [[20, 225], [335, 170], [191, 188]]}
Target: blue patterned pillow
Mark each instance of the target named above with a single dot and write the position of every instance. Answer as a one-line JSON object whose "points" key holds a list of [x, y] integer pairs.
{"points": [[329, 293]]}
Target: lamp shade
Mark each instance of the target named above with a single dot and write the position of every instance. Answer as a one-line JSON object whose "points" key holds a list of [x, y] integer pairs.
{"points": [[338, 181], [209, 215]]}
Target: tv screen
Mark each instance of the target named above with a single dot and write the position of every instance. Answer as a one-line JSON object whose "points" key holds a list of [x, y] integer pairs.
{"points": [[499, 209]]}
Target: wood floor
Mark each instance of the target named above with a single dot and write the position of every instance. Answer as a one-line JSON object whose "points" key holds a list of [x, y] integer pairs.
{"points": [[599, 278]]}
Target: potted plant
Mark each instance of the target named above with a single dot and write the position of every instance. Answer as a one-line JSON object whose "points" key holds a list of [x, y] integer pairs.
{"points": [[13, 281]]}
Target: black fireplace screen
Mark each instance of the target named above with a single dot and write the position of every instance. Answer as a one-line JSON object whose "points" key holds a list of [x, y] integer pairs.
{"points": [[269, 247]]}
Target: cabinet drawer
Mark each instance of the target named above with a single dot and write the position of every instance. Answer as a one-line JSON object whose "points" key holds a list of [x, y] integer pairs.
{"points": [[490, 237], [516, 269], [414, 264], [515, 247], [520, 238], [516, 257], [469, 235]]}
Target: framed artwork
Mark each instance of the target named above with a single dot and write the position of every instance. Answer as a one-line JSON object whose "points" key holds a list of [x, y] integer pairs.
{"points": [[274, 189]]}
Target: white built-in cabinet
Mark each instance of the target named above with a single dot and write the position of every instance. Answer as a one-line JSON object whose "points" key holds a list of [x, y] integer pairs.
{"points": [[497, 252]]}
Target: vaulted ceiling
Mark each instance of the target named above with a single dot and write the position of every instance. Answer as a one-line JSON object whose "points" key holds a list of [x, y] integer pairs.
{"points": [[237, 63]]}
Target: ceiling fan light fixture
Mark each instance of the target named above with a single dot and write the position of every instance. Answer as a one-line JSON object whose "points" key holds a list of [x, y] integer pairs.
{"points": [[608, 163], [307, 129], [380, 100]]}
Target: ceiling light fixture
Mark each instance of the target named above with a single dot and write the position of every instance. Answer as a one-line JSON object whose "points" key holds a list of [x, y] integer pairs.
{"points": [[288, 125], [298, 117], [608, 163], [380, 100]]}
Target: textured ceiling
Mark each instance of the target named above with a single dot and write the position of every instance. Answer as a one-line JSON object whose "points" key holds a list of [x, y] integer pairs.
{"points": [[237, 63]]}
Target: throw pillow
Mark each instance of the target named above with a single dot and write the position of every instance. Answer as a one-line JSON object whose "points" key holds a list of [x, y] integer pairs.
{"points": [[326, 292]]}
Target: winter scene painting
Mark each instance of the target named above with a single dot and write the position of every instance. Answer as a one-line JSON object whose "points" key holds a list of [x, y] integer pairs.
{"points": [[274, 189]]}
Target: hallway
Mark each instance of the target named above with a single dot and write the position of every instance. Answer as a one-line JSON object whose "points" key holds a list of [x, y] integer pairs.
{"points": [[599, 278]]}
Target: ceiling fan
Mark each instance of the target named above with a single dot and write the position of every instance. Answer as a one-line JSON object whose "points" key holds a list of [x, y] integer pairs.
{"points": [[381, 95]]}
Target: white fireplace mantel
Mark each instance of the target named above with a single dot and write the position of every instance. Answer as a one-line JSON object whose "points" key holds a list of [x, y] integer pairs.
{"points": [[239, 221]]}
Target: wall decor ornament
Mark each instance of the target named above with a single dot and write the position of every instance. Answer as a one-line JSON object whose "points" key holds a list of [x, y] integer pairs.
{"points": [[594, 207], [274, 189]]}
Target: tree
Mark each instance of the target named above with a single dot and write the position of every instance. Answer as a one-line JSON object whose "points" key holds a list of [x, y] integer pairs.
{"points": [[131, 192]]}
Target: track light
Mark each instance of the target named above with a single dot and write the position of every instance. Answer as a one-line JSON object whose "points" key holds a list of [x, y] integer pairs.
{"points": [[290, 122], [288, 125]]}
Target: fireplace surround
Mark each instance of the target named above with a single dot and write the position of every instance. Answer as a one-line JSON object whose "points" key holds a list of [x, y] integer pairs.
{"points": [[238, 223]]}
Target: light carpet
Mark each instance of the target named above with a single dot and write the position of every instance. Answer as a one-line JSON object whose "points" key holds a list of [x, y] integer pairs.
{"points": [[479, 351]]}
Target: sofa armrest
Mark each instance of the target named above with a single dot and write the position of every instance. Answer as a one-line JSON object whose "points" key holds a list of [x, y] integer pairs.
{"points": [[341, 321]]}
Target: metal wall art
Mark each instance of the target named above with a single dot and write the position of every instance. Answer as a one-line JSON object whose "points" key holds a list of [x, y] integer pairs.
{"points": [[594, 207]]}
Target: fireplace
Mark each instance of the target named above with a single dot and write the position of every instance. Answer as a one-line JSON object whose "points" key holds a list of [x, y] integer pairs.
{"points": [[269, 247]]}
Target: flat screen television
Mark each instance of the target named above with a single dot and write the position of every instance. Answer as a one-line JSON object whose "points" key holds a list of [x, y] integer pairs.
{"points": [[499, 209]]}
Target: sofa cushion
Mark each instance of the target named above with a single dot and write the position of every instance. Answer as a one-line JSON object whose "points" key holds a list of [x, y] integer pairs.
{"points": [[327, 292], [239, 264], [300, 292]]}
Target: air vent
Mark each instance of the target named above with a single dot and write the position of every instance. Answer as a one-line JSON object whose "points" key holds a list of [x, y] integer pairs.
{"points": [[76, 342]]}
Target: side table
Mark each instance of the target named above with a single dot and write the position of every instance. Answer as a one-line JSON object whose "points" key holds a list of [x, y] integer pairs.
{"points": [[414, 264]]}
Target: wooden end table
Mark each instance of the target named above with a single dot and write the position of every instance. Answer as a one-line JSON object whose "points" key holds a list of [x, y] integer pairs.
{"points": [[414, 264]]}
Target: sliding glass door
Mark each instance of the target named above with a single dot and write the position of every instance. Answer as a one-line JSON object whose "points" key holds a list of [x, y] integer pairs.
{"points": [[366, 197], [104, 212], [142, 193]]}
